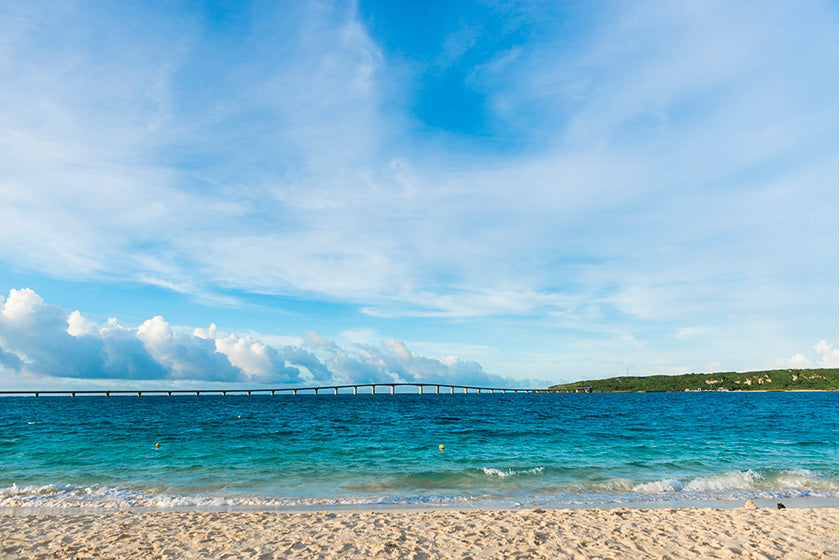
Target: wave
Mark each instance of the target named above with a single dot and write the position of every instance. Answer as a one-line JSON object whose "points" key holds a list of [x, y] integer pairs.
{"points": [[506, 472], [71, 496], [743, 480], [467, 479], [533, 486], [798, 483]]}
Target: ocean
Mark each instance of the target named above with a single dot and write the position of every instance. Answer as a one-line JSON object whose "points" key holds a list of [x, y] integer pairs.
{"points": [[499, 450]]}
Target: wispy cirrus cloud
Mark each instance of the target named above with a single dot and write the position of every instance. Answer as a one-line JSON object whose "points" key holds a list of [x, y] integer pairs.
{"points": [[627, 169], [266, 164]]}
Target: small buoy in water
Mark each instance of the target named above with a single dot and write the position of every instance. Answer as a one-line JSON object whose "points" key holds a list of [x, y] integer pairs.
{"points": [[240, 416], [440, 447], [157, 446]]}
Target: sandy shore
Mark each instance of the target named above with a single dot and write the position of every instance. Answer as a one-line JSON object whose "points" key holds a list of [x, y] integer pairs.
{"points": [[418, 535]]}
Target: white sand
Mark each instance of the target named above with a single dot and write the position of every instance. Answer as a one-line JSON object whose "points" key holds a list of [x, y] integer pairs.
{"points": [[479, 534]]}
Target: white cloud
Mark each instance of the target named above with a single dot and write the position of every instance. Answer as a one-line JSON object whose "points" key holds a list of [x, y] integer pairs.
{"points": [[798, 360], [392, 361], [260, 362], [360, 336], [77, 325], [296, 191], [828, 357], [185, 357], [42, 340]]}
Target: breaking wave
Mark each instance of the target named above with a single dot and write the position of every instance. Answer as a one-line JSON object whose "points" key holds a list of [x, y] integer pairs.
{"points": [[506, 472], [735, 485]]}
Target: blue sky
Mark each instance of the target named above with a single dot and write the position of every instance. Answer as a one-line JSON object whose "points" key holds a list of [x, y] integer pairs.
{"points": [[486, 192]]}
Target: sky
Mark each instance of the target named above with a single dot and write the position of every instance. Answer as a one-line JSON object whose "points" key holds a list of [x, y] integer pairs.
{"points": [[494, 193]]}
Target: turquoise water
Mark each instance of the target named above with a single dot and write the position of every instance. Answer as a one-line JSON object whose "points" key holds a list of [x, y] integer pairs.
{"points": [[499, 449]]}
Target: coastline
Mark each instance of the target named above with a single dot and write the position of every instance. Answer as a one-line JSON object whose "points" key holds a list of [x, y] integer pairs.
{"points": [[619, 532], [680, 504]]}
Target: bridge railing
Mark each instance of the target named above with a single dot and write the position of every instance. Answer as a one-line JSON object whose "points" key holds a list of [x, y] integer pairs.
{"points": [[293, 390]]}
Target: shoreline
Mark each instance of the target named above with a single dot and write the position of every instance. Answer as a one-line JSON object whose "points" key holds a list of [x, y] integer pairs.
{"points": [[475, 534], [722, 505]]}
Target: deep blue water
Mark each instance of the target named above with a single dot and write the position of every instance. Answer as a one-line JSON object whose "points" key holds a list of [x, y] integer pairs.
{"points": [[499, 449]]}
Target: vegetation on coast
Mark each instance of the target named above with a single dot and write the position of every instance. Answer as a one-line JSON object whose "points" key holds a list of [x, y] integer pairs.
{"points": [[825, 379]]}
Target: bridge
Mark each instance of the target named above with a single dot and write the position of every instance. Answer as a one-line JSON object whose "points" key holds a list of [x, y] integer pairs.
{"points": [[336, 389]]}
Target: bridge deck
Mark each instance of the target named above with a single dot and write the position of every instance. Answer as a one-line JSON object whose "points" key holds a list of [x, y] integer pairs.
{"points": [[293, 390]]}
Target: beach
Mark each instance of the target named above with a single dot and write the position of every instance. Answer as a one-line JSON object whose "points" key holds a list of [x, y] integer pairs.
{"points": [[764, 533]]}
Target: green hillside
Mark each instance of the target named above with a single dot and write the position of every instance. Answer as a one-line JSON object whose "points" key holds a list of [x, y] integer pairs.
{"points": [[771, 380]]}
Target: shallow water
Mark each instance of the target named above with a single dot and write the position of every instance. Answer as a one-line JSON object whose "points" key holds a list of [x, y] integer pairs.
{"points": [[500, 449]]}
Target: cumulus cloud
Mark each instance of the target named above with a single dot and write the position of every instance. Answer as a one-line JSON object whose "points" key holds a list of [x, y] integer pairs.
{"points": [[828, 357], [257, 361], [796, 361], [43, 340], [392, 361]]}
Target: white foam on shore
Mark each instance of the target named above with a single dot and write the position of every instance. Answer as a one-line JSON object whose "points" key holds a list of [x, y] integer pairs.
{"points": [[743, 480], [52, 496], [504, 473], [735, 485]]}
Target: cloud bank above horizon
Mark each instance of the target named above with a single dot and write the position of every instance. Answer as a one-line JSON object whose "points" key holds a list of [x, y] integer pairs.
{"points": [[548, 187], [42, 343]]}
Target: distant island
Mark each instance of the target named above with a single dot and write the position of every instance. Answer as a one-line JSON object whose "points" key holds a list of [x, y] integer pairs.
{"points": [[825, 379]]}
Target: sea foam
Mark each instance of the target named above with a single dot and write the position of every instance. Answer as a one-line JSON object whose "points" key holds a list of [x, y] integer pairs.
{"points": [[63, 497], [510, 471], [735, 483]]}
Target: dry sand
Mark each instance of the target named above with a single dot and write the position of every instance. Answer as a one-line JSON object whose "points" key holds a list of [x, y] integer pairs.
{"points": [[476, 534]]}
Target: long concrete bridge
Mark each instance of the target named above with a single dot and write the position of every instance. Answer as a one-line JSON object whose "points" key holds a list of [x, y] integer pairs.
{"points": [[335, 389]]}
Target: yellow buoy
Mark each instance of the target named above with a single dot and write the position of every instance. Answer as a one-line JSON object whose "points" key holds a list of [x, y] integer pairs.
{"points": [[440, 447], [157, 446], [240, 416]]}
